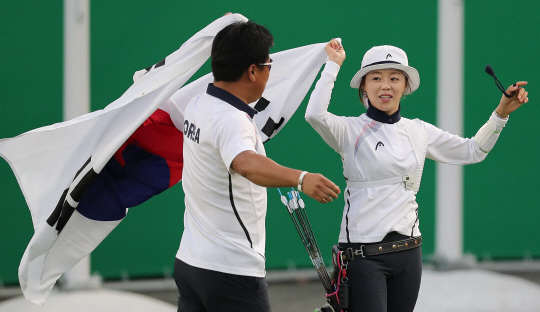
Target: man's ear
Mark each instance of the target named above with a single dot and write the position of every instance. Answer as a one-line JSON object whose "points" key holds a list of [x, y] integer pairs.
{"points": [[251, 73]]}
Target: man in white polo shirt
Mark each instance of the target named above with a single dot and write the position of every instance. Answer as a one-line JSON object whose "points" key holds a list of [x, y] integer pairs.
{"points": [[220, 263]]}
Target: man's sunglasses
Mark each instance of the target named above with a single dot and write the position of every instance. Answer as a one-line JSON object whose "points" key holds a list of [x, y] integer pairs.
{"points": [[268, 64]]}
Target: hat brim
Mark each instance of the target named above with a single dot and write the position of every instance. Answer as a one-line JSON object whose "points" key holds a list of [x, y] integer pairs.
{"points": [[414, 77]]}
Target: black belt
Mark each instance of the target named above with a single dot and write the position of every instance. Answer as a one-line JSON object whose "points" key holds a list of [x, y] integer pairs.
{"points": [[382, 248]]}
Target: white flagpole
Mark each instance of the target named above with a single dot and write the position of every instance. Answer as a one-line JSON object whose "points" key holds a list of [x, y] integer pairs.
{"points": [[76, 58], [77, 101], [449, 198]]}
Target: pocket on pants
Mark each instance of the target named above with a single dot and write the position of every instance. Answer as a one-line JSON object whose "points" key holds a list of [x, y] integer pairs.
{"points": [[262, 286]]}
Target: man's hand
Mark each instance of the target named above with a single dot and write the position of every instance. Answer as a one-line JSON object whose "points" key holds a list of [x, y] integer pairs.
{"points": [[320, 188]]}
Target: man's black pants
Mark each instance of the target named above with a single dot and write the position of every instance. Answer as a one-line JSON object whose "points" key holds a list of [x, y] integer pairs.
{"points": [[211, 291]]}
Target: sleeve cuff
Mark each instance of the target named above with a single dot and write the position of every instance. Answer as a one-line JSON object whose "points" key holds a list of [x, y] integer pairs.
{"points": [[500, 122], [332, 68], [229, 160]]}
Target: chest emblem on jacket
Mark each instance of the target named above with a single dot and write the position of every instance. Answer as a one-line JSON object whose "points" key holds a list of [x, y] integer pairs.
{"points": [[367, 130], [379, 144]]}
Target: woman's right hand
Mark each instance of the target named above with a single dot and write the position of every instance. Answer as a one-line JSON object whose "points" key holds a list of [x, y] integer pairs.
{"points": [[335, 51]]}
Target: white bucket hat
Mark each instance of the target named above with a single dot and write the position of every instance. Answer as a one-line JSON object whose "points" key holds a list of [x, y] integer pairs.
{"points": [[384, 57]]}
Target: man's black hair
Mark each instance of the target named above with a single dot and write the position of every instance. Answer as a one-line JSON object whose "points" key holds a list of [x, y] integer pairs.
{"points": [[236, 47]]}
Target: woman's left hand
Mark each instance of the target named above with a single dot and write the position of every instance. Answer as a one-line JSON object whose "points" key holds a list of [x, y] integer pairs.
{"points": [[508, 105]]}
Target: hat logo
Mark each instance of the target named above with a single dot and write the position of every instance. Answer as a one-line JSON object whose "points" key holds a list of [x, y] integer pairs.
{"points": [[388, 55]]}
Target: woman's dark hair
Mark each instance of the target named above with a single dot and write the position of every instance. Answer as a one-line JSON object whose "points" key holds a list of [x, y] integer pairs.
{"points": [[238, 46]]}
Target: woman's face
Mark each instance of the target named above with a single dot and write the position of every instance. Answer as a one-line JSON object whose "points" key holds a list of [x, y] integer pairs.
{"points": [[384, 88]]}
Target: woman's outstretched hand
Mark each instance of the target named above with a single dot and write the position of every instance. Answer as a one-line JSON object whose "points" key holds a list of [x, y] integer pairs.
{"points": [[508, 105], [335, 51]]}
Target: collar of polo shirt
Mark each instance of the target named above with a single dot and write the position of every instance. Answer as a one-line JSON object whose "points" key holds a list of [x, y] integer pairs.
{"points": [[231, 99]]}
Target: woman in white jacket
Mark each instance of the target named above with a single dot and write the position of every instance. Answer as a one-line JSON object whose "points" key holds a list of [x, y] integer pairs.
{"points": [[383, 156]]}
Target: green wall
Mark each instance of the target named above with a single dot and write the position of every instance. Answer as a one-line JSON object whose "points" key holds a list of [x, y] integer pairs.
{"points": [[30, 97], [500, 206], [501, 199]]}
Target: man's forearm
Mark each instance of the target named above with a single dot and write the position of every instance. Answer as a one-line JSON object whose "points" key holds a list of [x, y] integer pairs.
{"points": [[263, 171]]}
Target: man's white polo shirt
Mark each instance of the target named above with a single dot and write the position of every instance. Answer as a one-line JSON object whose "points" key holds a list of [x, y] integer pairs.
{"points": [[224, 219]]}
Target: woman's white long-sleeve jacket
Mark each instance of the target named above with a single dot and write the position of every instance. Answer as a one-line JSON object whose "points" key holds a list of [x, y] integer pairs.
{"points": [[375, 147]]}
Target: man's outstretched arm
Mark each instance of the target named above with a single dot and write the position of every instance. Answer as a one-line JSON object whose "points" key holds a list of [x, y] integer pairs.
{"points": [[263, 171]]}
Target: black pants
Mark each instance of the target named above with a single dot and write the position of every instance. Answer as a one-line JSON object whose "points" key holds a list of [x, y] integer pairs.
{"points": [[211, 291], [387, 282]]}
